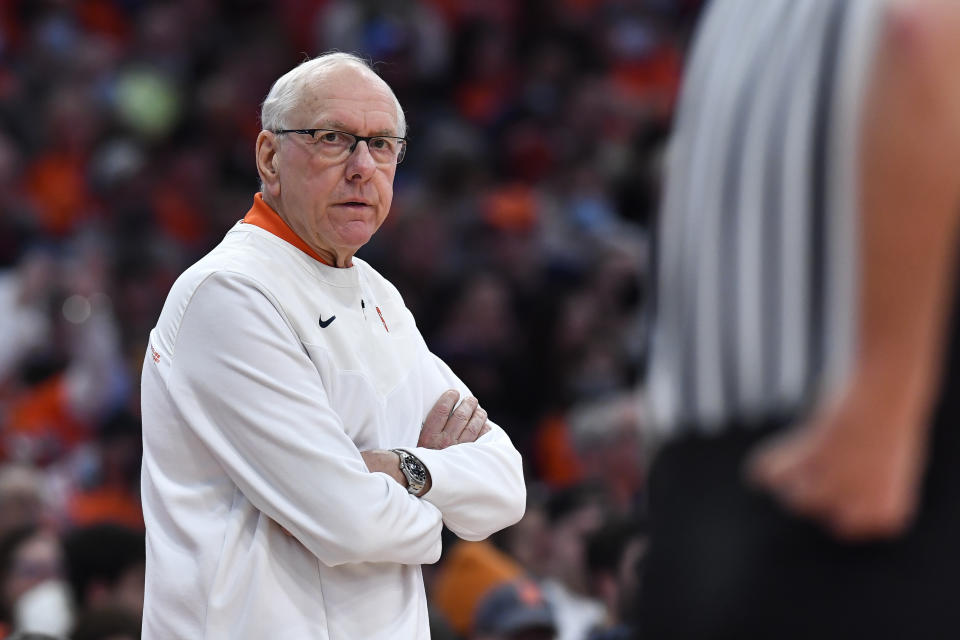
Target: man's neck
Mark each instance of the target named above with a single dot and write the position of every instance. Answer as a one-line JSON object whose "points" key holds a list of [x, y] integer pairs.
{"points": [[340, 260]]}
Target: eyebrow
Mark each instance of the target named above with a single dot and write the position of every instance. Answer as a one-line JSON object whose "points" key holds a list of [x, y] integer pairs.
{"points": [[340, 126]]}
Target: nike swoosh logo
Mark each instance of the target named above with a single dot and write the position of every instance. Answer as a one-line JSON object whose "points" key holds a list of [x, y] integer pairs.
{"points": [[326, 323]]}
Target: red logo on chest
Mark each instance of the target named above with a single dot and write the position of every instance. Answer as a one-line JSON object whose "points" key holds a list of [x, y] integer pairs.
{"points": [[380, 313]]}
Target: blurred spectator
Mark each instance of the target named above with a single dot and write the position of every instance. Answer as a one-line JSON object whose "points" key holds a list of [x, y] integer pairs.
{"points": [[606, 435], [108, 495], [107, 624], [440, 628], [105, 565], [574, 514], [468, 571], [24, 324], [614, 561], [22, 500], [33, 596], [528, 541], [72, 374], [514, 610]]}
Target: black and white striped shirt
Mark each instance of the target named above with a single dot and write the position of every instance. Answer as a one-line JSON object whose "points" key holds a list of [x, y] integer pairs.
{"points": [[757, 257]]}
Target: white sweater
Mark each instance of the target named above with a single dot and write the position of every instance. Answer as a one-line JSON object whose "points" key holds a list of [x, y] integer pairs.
{"points": [[254, 417]]}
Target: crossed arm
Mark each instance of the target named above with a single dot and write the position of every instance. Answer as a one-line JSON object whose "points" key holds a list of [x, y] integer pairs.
{"points": [[447, 424], [250, 392]]}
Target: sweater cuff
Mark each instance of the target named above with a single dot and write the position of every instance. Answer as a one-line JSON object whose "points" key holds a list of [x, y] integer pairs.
{"points": [[442, 491]]}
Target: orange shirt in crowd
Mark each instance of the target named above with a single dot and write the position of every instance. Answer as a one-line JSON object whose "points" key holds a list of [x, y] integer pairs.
{"points": [[467, 574]]}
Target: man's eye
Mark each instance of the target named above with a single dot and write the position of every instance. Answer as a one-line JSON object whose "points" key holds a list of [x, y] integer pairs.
{"points": [[330, 137], [380, 143]]}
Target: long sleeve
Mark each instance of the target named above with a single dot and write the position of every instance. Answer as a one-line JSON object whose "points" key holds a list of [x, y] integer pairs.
{"points": [[242, 381], [478, 486]]}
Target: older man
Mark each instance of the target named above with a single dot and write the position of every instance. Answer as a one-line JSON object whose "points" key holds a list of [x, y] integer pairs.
{"points": [[298, 465]]}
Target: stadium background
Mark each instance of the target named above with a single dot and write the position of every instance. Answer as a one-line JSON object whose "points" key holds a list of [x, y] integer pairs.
{"points": [[519, 238]]}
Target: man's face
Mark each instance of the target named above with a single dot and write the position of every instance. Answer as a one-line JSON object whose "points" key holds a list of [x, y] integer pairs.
{"points": [[336, 206]]}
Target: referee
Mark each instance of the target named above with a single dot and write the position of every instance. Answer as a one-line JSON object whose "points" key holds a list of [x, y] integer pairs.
{"points": [[803, 357]]}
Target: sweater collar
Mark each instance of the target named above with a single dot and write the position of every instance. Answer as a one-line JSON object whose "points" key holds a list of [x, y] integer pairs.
{"points": [[262, 215]]}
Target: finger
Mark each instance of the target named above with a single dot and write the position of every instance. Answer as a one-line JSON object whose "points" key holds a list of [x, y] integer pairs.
{"points": [[764, 466], [769, 464], [437, 419], [854, 524], [862, 521], [775, 467], [485, 430], [459, 419], [803, 495], [472, 431]]}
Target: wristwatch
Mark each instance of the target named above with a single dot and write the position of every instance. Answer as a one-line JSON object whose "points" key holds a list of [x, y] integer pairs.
{"points": [[413, 470]]}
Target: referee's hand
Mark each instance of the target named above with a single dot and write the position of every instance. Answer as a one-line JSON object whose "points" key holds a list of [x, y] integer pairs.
{"points": [[855, 469]]}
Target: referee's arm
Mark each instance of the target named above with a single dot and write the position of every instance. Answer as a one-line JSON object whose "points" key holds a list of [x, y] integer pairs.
{"points": [[857, 466]]}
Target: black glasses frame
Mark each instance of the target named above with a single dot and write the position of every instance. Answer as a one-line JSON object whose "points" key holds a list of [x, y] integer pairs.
{"points": [[356, 139]]}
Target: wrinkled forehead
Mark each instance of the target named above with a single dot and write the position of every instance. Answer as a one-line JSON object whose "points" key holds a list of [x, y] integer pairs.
{"points": [[350, 98]]}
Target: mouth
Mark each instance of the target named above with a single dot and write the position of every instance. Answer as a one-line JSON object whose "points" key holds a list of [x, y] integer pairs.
{"points": [[354, 204]]}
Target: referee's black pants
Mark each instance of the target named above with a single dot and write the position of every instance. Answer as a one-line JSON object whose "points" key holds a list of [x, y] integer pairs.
{"points": [[726, 561]]}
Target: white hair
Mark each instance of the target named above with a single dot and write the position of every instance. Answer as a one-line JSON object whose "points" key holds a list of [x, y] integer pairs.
{"points": [[285, 93]]}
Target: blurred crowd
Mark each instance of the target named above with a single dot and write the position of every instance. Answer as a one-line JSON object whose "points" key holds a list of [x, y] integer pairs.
{"points": [[519, 238]]}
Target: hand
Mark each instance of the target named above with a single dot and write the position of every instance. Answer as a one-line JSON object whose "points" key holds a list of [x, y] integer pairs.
{"points": [[853, 469], [446, 426]]}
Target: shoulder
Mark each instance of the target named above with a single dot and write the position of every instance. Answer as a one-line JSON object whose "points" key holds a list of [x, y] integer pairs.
{"points": [[236, 266], [241, 256]]}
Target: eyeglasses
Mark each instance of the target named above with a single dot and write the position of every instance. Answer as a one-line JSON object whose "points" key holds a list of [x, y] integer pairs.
{"points": [[338, 145]]}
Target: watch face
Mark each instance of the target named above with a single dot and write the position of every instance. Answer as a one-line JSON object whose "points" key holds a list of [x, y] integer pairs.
{"points": [[416, 470]]}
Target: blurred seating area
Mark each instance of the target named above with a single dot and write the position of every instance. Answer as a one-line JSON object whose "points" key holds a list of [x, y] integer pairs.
{"points": [[519, 238]]}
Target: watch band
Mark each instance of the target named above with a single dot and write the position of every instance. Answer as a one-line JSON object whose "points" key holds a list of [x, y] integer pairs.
{"points": [[413, 470]]}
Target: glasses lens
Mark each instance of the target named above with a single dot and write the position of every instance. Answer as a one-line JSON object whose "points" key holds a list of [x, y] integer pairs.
{"points": [[383, 150], [387, 150], [333, 143]]}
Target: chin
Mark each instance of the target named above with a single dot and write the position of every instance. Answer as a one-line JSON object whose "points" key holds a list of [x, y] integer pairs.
{"points": [[356, 238]]}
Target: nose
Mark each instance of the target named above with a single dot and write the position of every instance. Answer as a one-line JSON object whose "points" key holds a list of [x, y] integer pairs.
{"points": [[360, 164]]}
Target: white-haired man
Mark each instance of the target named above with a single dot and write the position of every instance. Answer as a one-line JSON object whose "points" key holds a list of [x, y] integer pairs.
{"points": [[297, 463]]}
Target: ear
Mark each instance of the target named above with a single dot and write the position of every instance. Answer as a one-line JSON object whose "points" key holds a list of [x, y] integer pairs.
{"points": [[268, 146]]}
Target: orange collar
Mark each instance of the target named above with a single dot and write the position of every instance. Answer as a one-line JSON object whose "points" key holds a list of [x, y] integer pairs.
{"points": [[262, 215]]}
